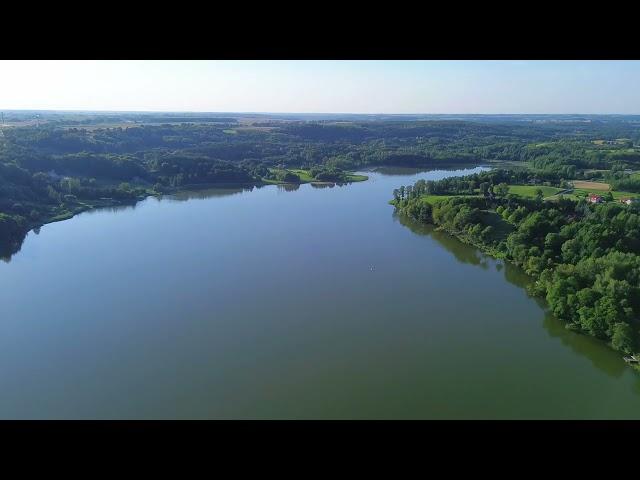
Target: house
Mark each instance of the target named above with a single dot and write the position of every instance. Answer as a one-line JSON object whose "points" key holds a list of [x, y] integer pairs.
{"points": [[627, 200], [595, 198]]}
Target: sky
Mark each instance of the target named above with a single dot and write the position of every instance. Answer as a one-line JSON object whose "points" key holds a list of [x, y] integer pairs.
{"points": [[465, 87]]}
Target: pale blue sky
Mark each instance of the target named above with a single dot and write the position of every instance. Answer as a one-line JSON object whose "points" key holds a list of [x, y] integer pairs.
{"points": [[324, 86]]}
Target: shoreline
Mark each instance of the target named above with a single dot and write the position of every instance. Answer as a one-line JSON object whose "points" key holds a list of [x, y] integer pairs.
{"points": [[500, 256], [13, 245]]}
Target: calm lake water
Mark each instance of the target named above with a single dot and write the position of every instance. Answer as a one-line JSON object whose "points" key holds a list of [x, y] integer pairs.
{"points": [[285, 303]]}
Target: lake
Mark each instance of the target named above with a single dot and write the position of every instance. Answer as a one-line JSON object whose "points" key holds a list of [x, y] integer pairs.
{"points": [[285, 302]]}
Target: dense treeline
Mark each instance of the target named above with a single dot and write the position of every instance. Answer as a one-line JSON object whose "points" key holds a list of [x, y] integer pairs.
{"points": [[622, 180], [572, 158], [585, 258]]}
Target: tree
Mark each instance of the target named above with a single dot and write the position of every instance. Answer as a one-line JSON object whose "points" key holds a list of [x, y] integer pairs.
{"points": [[622, 338], [502, 189]]}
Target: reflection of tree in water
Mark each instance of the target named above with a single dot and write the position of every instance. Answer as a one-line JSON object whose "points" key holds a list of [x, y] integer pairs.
{"points": [[391, 171], [9, 247], [636, 385], [516, 275], [289, 187], [404, 171], [204, 193], [463, 252], [595, 350], [322, 185], [600, 355], [113, 208]]}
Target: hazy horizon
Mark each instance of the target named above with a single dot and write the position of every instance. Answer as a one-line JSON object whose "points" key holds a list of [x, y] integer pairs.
{"points": [[273, 113], [475, 87], [248, 112]]}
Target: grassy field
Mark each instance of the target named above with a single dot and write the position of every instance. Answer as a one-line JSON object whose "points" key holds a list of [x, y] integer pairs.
{"points": [[530, 190], [303, 174], [357, 178], [549, 193], [617, 195], [595, 186], [520, 190]]}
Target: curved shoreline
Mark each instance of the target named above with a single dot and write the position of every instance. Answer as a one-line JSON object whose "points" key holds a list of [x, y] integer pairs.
{"points": [[500, 256]]}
